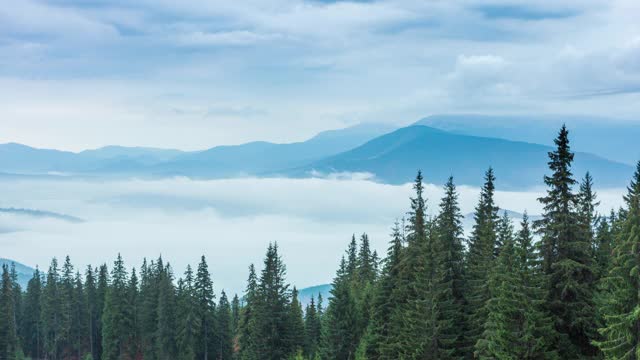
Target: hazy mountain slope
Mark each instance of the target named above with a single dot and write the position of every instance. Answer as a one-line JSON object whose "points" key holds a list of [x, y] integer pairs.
{"points": [[25, 273], [305, 294], [222, 161], [395, 158], [610, 138]]}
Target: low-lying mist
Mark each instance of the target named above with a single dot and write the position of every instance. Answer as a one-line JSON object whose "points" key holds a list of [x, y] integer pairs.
{"points": [[229, 221]]}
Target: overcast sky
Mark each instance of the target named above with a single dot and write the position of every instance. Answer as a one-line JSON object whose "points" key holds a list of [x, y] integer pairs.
{"points": [[191, 74]]}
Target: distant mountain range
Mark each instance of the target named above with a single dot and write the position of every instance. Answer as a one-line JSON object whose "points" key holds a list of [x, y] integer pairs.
{"points": [[25, 273], [460, 145], [609, 138], [395, 157]]}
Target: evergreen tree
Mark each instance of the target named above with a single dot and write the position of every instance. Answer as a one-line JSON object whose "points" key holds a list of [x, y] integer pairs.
{"points": [[339, 338], [385, 301], [622, 306], [205, 310], [247, 328], [312, 330], [296, 322], [567, 255], [224, 337], [272, 330], [8, 327], [480, 258], [32, 330], [166, 331], [92, 311], [52, 313], [448, 294], [16, 289], [79, 321], [116, 319], [235, 315], [101, 296], [188, 322]]}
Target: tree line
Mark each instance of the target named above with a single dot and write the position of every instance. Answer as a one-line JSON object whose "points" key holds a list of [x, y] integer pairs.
{"points": [[565, 286]]}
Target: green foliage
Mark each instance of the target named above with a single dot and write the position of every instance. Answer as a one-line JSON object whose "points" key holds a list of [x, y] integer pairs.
{"points": [[621, 306]]}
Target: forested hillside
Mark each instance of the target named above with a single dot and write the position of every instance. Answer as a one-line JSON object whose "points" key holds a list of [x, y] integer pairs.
{"points": [[565, 286]]}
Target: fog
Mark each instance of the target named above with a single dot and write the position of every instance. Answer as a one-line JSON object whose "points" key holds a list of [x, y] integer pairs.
{"points": [[231, 221]]}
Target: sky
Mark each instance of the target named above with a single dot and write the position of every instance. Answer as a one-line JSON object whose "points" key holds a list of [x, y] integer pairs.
{"points": [[194, 74], [229, 221]]}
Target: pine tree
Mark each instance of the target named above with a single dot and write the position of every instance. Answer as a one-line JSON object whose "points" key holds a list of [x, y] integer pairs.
{"points": [[52, 313], [92, 311], [339, 340], [587, 204], [385, 301], [567, 256], [79, 320], [148, 312], [247, 329], [480, 259], [312, 330], [165, 343], [272, 331], [411, 321], [101, 296], [296, 322], [205, 307], [224, 337], [66, 294], [16, 289], [117, 315], [235, 315], [188, 322], [516, 326], [32, 331], [448, 289], [8, 326], [622, 307]]}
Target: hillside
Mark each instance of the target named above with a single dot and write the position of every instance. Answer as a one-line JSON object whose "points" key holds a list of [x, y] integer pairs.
{"points": [[395, 157]]}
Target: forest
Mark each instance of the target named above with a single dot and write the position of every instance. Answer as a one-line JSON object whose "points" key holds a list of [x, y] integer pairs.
{"points": [[566, 286]]}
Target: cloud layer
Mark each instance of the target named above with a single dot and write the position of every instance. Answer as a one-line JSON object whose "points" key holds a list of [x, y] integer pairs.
{"points": [[230, 221]]}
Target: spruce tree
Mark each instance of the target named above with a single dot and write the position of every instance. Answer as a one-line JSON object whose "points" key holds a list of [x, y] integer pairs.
{"points": [[52, 313], [312, 330], [92, 311], [187, 319], [480, 259], [385, 301], [205, 310], [117, 315], [101, 296], [8, 326], [448, 288], [165, 340], [247, 328], [567, 255], [224, 337], [296, 322], [339, 340], [32, 330], [235, 315], [272, 330], [622, 285]]}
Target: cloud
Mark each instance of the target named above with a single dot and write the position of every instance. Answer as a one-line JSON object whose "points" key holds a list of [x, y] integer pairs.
{"points": [[230, 221], [228, 38]]}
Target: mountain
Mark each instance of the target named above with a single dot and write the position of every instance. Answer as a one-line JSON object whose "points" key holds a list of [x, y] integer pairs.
{"points": [[610, 138], [252, 158], [305, 295], [395, 157], [257, 158], [25, 273]]}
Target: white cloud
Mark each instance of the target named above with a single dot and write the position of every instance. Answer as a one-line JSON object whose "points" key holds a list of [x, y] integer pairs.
{"points": [[230, 221], [232, 38]]}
